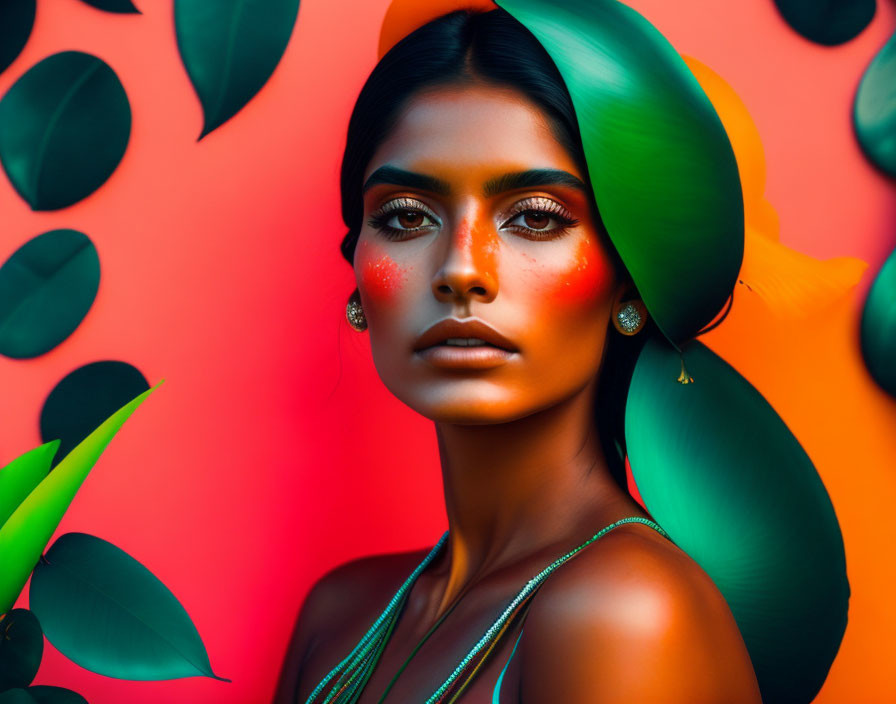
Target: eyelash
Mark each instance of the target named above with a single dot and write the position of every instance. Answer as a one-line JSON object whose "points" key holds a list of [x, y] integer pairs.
{"points": [[380, 219], [547, 207]]}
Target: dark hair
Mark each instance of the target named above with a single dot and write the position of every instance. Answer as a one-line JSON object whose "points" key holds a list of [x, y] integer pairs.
{"points": [[469, 46]]}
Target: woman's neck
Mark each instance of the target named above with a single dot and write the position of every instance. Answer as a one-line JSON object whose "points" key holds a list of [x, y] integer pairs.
{"points": [[513, 488]]}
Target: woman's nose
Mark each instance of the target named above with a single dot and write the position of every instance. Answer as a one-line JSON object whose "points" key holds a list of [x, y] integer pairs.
{"points": [[468, 264]]}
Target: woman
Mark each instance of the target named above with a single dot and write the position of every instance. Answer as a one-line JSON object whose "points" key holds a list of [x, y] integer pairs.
{"points": [[501, 306]]}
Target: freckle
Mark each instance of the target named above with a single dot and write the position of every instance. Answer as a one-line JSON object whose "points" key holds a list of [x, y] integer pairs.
{"points": [[587, 278], [381, 276]]}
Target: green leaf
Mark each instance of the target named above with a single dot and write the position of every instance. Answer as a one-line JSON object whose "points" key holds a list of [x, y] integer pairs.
{"points": [[109, 614], [84, 398], [878, 327], [43, 694], [724, 476], [32, 524], [46, 288], [19, 477], [874, 111], [114, 5], [230, 48], [21, 648], [64, 127], [16, 21], [662, 168], [827, 22]]}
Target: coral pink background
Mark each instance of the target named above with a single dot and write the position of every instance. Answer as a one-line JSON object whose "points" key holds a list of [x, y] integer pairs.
{"points": [[272, 452]]}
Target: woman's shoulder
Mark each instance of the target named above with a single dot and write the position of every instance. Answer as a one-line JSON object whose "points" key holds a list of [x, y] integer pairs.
{"points": [[633, 617], [342, 598]]}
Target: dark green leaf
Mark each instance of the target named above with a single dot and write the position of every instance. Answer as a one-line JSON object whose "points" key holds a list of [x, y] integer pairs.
{"points": [[660, 162], [827, 22], [19, 477], [55, 695], [46, 288], [16, 696], [724, 476], [874, 111], [84, 398], [16, 21], [30, 527], [878, 327], [21, 648], [114, 5], [230, 48], [109, 614], [64, 127]]}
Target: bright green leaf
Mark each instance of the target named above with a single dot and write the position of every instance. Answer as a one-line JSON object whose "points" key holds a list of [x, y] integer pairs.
{"points": [[230, 48], [878, 327], [84, 398], [109, 614], [64, 127], [46, 288], [723, 475], [19, 477], [662, 168], [30, 527], [21, 648]]}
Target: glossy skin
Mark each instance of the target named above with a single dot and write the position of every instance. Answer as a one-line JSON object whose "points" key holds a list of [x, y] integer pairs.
{"points": [[631, 618]]}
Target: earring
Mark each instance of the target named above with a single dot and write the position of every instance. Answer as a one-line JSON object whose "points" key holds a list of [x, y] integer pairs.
{"points": [[630, 317], [354, 313]]}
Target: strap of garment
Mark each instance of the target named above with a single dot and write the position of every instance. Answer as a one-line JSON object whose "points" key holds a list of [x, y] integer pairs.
{"points": [[496, 692]]}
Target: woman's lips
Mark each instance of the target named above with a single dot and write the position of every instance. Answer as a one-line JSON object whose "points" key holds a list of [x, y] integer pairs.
{"points": [[473, 357]]}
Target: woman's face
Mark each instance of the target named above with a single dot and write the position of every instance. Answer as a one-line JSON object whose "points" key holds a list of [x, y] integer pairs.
{"points": [[474, 213]]}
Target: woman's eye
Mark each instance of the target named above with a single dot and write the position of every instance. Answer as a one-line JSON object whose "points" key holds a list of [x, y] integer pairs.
{"points": [[540, 222], [409, 219], [396, 223]]}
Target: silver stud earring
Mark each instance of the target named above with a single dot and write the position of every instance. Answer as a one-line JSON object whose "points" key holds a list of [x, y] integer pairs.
{"points": [[630, 317], [354, 313]]}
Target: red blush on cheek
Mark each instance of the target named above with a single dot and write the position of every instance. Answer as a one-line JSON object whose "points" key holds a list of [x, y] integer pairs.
{"points": [[586, 280], [381, 276]]}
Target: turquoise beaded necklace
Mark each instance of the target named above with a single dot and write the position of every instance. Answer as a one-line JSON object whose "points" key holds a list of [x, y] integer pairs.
{"points": [[357, 667]]}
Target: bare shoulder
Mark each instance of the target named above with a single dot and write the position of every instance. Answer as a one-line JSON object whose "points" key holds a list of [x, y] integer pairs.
{"points": [[633, 618], [343, 597]]}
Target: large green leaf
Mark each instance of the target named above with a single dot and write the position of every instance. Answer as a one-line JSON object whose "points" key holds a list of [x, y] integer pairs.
{"points": [[827, 22], [41, 694], [664, 175], [46, 288], [21, 648], [874, 111], [16, 21], [32, 524], [19, 477], [122, 6], [724, 476], [64, 127], [84, 398], [230, 48], [878, 327], [109, 614]]}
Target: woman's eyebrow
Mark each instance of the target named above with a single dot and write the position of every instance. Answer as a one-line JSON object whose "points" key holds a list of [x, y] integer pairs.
{"points": [[505, 182], [531, 179], [399, 177]]}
